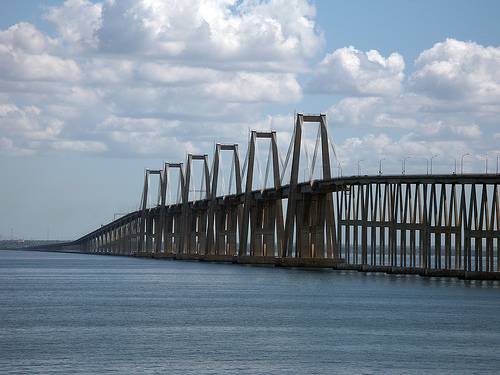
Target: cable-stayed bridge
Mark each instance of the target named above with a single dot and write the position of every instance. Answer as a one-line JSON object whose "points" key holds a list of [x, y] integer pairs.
{"points": [[426, 224]]}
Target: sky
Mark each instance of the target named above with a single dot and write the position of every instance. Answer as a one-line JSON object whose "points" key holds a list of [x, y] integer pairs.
{"points": [[94, 92]]}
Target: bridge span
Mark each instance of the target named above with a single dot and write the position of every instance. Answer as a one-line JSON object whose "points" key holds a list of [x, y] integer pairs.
{"points": [[434, 225]]}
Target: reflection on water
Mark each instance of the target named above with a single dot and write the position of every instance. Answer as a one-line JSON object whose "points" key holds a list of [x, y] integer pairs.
{"points": [[85, 314]]}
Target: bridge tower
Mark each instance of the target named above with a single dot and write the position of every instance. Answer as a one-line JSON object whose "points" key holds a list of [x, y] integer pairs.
{"points": [[170, 216], [223, 219], [265, 215], [147, 221], [310, 215], [195, 214]]}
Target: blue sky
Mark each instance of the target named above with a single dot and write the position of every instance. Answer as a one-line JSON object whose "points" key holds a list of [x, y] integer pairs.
{"points": [[89, 97]]}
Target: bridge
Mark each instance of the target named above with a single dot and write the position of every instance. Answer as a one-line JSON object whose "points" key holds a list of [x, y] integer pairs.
{"points": [[434, 225]]}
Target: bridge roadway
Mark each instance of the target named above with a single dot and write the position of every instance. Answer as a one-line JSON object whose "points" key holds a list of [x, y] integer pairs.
{"points": [[441, 225], [432, 225]]}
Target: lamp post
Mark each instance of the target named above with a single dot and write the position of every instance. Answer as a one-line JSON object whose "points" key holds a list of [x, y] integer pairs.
{"points": [[403, 164], [486, 163], [432, 157], [380, 166], [359, 166], [498, 158], [462, 162], [340, 169]]}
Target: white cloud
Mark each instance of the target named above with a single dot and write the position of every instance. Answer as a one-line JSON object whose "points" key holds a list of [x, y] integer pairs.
{"points": [[457, 70], [450, 105], [263, 31], [27, 55], [43, 67], [28, 130], [406, 113], [151, 77], [371, 148], [28, 122], [25, 37], [175, 74], [252, 87], [124, 124], [210, 62], [390, 112], [353, 72], [155, 142], [7, 147], [78, 146], [77, 21], [471, 131]]}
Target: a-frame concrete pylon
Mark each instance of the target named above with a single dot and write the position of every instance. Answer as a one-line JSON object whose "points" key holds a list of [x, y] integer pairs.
{"points": [[223, 221], [266, 217], [310, 216]]}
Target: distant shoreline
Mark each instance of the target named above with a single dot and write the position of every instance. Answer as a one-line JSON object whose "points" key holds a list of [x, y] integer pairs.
{"points": [[25, 244]]}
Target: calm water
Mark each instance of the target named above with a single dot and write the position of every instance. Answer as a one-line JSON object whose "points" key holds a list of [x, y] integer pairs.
{"points": [[87, 314]]}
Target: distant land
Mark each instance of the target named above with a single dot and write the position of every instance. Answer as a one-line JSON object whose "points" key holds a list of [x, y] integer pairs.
{"points": [[21, 244]]}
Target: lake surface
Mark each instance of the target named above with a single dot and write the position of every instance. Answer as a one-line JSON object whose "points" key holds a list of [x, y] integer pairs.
{"points": [[88, 314]]}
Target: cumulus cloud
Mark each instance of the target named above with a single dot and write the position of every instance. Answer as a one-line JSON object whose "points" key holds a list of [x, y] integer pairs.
{"points": [[28, 130], [251, 87], [78, 146], [247, 30], [28, 55], [390, 150], [77, 22], [353, 72], [155, 77], [25, 37], [28, 122], [206, 66], [383, 112], [449, 105], [406, 113], [457, 70]]}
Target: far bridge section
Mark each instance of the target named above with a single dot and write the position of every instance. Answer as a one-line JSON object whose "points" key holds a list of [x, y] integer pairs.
{"points": [[431, 225]]}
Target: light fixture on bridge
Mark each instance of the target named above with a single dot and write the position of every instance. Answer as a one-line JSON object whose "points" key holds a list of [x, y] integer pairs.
{"points": [[462, 162], [380, 166], [403, 164], [431, 159]]}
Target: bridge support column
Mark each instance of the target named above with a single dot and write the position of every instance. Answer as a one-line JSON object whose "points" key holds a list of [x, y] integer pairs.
{"points": [[223, 218], [302, 219], [168, 232], [226, 225], [149, 233], [263, 217], [195, 218]]}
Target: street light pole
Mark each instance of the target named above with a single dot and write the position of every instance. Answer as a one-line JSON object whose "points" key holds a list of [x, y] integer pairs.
{"points": [[403, 164], [380, 166], [462, 163], [432, 157]]}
